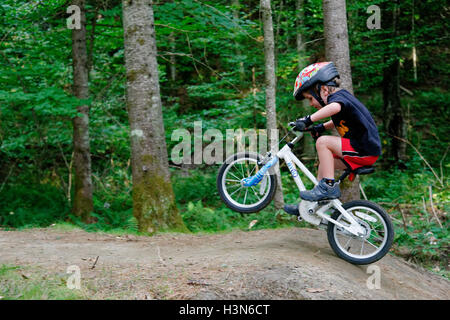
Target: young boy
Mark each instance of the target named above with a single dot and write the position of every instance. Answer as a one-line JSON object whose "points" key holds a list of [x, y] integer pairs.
{"points": [[359, 144]]}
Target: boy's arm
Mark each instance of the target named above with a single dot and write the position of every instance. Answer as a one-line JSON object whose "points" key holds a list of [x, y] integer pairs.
{"points": [[325, 112]]}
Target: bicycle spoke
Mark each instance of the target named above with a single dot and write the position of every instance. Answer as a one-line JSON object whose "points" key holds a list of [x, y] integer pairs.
{"points": [[233, 180], [242, 170], [371, 244], [245, 197], [362, 246], [234, 185], [239, 194], [252, 171], [350, 239], [256, 194], [234, 176], [236, 191], [246, 167], [374, 236]]}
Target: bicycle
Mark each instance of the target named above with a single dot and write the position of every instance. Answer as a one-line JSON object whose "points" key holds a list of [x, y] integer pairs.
{"points": [[357, 224]]}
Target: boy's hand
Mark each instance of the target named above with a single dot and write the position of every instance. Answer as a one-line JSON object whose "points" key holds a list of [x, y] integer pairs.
{"points": [[317, 130], [303, 123]]}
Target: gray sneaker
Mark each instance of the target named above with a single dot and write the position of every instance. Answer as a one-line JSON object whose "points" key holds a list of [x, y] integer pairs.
{"points": [[291, 209], [322, 191]]}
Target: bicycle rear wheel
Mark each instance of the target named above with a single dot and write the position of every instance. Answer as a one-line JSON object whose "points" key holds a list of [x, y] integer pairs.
{"points": [[238, 197]]}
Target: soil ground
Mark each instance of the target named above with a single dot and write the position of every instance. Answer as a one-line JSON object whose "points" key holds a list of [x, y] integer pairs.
{"points": [[291, 263]]}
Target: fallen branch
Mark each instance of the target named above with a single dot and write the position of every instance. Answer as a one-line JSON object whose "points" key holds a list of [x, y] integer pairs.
{"points": [[425, 209], [432, 207], [70, 179], [440, 163], [403, 219], [362, 191], [6, 179], [167, 53], [407, 91], [159, 255], [93, 266], [194, 282], [420, 155]]}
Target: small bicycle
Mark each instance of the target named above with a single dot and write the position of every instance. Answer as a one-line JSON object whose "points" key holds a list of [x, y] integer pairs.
{"points": [[359, 231]]}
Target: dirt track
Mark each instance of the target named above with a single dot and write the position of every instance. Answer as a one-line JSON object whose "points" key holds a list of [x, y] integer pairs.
{"points": [[293, 263]]}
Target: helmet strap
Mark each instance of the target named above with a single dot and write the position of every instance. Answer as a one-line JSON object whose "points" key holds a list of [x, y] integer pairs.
{"points": [[317, 96]]}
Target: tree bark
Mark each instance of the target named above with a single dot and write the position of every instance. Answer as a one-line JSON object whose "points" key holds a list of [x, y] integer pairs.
{"points": [[300, 41], [269, 58], [308, 150], [336, 39], [236, 8], [82, 201], [393, 112], [153, 198], [337, 50], [173, 67]]}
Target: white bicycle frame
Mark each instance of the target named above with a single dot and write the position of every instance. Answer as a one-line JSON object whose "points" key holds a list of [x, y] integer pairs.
{"points": [[291, 161]]}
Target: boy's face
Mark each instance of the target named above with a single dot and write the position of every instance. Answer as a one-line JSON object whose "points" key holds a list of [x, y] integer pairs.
{"points": [[312, 101]]}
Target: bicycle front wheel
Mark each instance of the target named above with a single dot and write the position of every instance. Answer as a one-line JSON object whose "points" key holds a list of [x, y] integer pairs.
{"points": [[373, 245], [234, 194]]}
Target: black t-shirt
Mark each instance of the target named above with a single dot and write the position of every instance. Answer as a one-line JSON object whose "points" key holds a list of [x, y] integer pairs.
{"points": [[355, 122]]}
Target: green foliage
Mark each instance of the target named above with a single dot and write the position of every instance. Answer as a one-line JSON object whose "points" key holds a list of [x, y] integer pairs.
{"points": [[209, 46], [31, 206], [23, 283]]}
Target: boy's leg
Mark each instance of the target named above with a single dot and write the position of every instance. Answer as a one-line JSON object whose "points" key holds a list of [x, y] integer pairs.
{"points": [[327, 146], [326, 189], [338, 165]]}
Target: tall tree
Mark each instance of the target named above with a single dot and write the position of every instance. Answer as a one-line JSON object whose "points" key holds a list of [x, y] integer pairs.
{"points": [[300, 22], [153, 198], [337, 50], [394, 116], [269, 58], [336, 39], [308, 149], [236, 9], [82, 202]]}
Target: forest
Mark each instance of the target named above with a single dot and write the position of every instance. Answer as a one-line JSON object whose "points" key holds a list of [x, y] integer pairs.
{"points": [[72, 119]]}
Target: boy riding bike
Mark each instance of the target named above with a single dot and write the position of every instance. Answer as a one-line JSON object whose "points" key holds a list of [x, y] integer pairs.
{"points": [[359, 143]]}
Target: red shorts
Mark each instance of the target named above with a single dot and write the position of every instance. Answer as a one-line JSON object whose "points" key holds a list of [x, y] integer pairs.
{"points": [[352, 157]]}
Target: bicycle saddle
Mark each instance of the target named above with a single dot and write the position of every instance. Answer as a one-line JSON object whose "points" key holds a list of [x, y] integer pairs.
{"points": [[364, 170], [352, 173]]}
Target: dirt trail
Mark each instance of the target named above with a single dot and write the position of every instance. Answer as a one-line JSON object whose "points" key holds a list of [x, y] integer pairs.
{"points": [[288, 263]]}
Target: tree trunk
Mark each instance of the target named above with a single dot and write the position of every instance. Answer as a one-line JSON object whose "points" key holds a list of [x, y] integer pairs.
{"points": [[308, 149], [337, 50], [236, 8], [153, 198], [336, 39], [414, 51], [173, 67], [82, 201], [300, 41], [393, 112], [277, 36], [269, 57]]}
